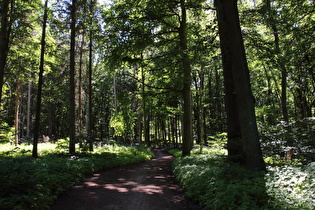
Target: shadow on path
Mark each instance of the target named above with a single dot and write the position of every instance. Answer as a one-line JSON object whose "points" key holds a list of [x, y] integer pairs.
{"points": [[147, 185]]}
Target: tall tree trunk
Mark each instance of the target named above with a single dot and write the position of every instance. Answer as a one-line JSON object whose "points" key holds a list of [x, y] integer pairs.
{"points": [[4, 40], [178, 130], [201, 102], [28, 115], [218, 101], [270, 101], [80, 95], [146, 122], [89, 124], [40, 83], [115, 94], [187, 107], [234, 144], [233, 56], [72, 116], [199, 106], [16, 111]]}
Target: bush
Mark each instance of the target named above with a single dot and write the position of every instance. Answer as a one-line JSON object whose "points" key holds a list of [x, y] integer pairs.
{"points": [[291, 187], [6, 133], [300, 135], [217, 184]]}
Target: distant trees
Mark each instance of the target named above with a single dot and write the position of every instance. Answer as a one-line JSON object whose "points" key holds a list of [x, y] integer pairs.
{"points": [[279, 41], [166, 57]]}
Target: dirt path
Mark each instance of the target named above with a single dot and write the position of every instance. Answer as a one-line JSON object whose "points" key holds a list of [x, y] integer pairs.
{"points": [[142, 186]]}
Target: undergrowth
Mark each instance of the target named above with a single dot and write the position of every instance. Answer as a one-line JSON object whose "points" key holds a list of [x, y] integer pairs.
{"points": [[28, 183], [217, 184]]}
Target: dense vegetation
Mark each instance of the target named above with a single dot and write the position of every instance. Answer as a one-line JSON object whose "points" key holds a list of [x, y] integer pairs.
{"points": [[160, 72], [28, 183], [218, 184]]}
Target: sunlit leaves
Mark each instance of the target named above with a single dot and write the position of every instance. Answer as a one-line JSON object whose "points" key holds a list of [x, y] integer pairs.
{"points": [[291, 187], [217, 184]]}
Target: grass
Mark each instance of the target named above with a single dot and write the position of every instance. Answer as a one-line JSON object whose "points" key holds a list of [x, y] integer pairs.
{"points": [[209, 179], [28, 183]]}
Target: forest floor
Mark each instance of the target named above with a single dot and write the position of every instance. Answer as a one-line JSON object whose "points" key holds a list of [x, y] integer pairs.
{"points": [[140, 186]]}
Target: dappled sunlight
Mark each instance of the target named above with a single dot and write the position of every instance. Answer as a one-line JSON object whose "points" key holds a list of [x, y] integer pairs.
{"points": [[148, 189], [91, 184], [167, 157], [122, 185], [159, 177], [146, 185], [116, 187], [95, 177]]}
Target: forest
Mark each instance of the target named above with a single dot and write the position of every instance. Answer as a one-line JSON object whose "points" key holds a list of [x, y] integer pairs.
{"points": [[224, 85]]}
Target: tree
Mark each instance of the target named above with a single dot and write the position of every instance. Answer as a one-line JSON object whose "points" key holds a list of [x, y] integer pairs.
{"points": [[187, 103], [90, 75], [4, 40], [234, 61], [72, 114], [160, 32], [40, 82], [271, 22]]}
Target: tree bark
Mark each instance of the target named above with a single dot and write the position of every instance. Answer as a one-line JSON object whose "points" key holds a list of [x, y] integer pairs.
{"points": [[187, 107], [80, 94], [72, 116], [90, 74], [233, 56], [28, 114], [146, 122], [40, 83], [201, 102], [4, 41], [234, 144], [16, 112]]}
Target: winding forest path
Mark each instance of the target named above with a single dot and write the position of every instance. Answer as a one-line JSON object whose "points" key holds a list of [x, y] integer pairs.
{"points": [[142, 186]]}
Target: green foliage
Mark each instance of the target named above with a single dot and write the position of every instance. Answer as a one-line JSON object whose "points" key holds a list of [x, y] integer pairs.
{"points": [[118, 124], [278, 160], [175, 152], [277, 139], [217, 184], [6, 133], [63, 144], [216, 147], [291, 187], [28, 183], [218, 141]]}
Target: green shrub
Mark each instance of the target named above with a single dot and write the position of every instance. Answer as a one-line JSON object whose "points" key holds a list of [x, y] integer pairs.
{"points": [[6, 133], [63, 144], [217, 184], [291, 187]]}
